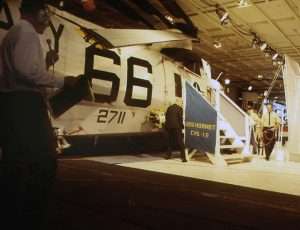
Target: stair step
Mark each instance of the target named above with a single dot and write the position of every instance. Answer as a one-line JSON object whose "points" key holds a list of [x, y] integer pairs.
{"points": [[233, 157], [234, 162], [231, 146], [236, 158], [227, 137]]}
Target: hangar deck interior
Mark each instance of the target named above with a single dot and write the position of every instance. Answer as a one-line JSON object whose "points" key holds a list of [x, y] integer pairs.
{"points": [[146, 191], [149, 192], [275, 176]]}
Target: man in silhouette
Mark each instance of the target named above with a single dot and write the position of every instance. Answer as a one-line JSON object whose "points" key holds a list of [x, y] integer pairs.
{"points": [[174, 128], [27, 140]]}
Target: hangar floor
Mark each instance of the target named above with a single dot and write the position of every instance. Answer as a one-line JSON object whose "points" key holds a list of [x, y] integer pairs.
{"points": [[276, 176], [149, 192]]}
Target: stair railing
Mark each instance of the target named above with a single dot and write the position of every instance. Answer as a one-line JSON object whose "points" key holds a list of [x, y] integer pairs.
{"points": [[236, 117]]}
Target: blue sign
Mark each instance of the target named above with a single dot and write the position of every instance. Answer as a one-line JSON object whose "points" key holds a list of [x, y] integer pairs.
{"points": [[200, 122]]}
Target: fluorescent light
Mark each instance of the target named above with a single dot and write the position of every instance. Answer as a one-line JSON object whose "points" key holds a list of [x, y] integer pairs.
{"points": [[222, 14], [263, 46], [61, 4], [223, 19], [170, 19], [275, 56]]}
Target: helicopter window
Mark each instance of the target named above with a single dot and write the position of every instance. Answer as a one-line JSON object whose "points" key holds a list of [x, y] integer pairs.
{"points": [[178, 85]]}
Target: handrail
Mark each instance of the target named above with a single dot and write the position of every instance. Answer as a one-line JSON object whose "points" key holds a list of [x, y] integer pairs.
{"points": [[181, 66], [191, 72], [233, 103]]}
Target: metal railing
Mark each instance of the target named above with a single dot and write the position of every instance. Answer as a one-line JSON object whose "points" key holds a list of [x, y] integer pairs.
{"points": [[236, 117]]}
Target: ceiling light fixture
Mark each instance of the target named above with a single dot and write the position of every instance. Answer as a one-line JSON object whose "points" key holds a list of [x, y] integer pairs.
{"points": [[275, 56], [217, 44], [263, 46], [277, 59], [255, 42], [222, 14], [243, 3], [280, 60], [227, 81], [250, 88], [267, 53], [170, 19], [61, 5]]}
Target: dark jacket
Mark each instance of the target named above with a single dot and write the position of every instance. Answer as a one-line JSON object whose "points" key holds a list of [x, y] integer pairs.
{"points": [[174, 117]]}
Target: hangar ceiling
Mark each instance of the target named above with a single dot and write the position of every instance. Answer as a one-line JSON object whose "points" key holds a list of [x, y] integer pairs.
{"points": [[276, 22]]}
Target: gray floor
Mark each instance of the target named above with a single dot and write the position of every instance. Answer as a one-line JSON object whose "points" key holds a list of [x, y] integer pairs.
{"points": [[273, 175]]}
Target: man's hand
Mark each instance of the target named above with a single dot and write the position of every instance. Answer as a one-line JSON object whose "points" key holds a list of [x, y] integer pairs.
{"points": [[51, 58]]}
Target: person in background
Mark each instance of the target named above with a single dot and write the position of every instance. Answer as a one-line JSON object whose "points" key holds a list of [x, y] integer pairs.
{"points": [[256, 131], [174, 128], [27, 140], [270, 124]]}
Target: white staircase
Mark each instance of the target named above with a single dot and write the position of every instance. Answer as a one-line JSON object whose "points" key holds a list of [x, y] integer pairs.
{"points": [[233, 133], [232, 147]]}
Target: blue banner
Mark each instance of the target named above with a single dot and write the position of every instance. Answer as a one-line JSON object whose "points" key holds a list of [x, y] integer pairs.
{"points": [[200, 122]]}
